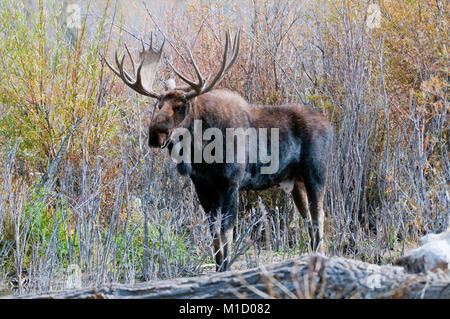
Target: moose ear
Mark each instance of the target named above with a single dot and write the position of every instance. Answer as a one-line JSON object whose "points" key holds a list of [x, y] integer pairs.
{"points": [[170, 84]]}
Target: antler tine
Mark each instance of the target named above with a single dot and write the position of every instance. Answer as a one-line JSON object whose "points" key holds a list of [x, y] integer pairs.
{"points": [[224, 62], [228, 36], [119, 64], [191, 84], [129, 55], [109, 65], [139, 78], [151, 44], [197, 71], [137, 84], [148, 60], [162, 46], [227, 61], [188, 88], [126, 77], [235, 52], [197, 86]]}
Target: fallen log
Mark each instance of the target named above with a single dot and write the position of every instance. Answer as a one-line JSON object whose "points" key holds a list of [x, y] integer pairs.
{"points": [[313, 276], [433, 254]]}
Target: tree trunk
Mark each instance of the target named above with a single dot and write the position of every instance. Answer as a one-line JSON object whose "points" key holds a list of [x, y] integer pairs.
{"points": [[306, 277]]}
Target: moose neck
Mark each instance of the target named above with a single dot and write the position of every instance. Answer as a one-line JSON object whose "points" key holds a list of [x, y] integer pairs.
{"points": [[220, 108]]}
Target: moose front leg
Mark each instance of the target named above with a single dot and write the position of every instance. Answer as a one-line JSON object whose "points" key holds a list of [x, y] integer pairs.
{"points": [[229, 216], [215, 233], [210, 200]]}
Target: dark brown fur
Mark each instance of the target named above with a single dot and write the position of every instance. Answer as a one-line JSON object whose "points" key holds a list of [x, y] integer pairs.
{"points": [[304, 138]]}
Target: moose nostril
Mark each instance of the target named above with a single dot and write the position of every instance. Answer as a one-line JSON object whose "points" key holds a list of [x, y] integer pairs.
{"points": [[170, 144]]}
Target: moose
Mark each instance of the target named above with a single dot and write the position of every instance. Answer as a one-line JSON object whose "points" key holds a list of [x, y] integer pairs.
{"points": [[304, 138]]}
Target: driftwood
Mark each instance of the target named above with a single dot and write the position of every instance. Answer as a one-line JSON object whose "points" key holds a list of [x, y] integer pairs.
{"points": [[306, 277], [433, 254]]}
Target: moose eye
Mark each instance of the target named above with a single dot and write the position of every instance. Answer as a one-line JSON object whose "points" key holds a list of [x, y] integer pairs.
{"points": [[182, 110]]}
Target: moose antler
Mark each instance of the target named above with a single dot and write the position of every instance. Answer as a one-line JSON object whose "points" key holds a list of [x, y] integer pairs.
{"points": [[201, 86], [144, 74]]}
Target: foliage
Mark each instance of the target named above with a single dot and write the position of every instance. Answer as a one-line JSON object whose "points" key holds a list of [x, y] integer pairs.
{"points": [[79, 185], [49, 83]]}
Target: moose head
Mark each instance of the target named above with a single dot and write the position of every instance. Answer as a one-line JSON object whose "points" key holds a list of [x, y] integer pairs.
{"points": [[174, 103]]}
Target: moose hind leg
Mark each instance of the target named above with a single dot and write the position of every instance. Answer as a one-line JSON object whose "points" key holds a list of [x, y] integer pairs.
{"points": [[318, 217], [314, 180], [316, 192], [300, 198]]}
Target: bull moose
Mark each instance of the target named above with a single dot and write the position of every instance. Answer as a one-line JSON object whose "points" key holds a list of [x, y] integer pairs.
{"points": [[303, 140]]}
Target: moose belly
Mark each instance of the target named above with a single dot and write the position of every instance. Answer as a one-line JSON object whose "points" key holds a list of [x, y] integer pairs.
{"points": [[287, 186], [288, 170], [284, 179]]}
